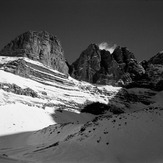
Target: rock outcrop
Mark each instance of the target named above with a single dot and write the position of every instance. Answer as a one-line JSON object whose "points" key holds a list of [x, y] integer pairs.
{"points": [[18, 90], [157, 59], [87, 65], [154, 71], [102, 67], [38, 46]]}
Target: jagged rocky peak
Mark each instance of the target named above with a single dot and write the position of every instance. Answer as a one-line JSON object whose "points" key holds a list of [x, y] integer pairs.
{"points": [[105, 64], [122, 54], [154, 71], [157, 59], [39, 46], [87, 64]]}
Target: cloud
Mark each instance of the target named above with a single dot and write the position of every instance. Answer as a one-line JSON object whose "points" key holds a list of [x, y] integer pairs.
{"points": [[107, 47]]}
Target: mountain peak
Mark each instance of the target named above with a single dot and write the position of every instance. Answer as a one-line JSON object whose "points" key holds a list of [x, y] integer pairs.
{"points": [[106, 64], [38, 46], [157, 59], [92, 46]]}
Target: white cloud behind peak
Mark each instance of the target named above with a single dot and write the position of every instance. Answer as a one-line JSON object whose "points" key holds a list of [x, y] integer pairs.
{"points": [[108, 47]]}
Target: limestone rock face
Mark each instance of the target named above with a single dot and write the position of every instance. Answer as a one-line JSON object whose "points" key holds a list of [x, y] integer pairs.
{"points": [[87, 65], [157, 59], [102, 67], [154, 71], [38, 46]]}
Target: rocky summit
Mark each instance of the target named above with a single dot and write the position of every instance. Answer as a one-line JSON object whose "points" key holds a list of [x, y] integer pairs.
{"points": [[100, 66], [38, 46], [119, 68], [154, 71]]}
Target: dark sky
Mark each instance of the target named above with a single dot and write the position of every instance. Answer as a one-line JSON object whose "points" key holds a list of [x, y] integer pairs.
{"points": [[136, 24]]}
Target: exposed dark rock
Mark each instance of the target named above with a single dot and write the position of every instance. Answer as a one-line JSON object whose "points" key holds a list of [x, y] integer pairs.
{"points": [[97, 108], [157, 59], [87, 65], [154, 72], [128, 97], [159, 85], [50, 146], [122, 55], [101, 67], [145, 64], [155, 76], [119, 68], [36, 72], [39, 46], [18, 90]]}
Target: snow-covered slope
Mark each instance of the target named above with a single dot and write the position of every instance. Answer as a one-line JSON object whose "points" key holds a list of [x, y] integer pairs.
{"points": [[134, 137], [130, 130], [28, 103]]}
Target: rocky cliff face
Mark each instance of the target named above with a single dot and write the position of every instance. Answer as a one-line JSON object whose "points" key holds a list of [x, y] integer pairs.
{"points": [[157, 59], [87, 65], [97, 65], [154, 71], [102, 67], [38, 46], [119, 68]]}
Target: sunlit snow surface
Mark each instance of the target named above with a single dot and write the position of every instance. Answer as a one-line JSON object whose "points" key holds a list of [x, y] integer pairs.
{"points": [[20, 118], [134, 136], [16, 110]]}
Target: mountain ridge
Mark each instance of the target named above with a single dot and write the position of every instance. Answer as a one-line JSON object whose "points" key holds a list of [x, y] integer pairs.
{"points": [[48, 116], [95, 65]]}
